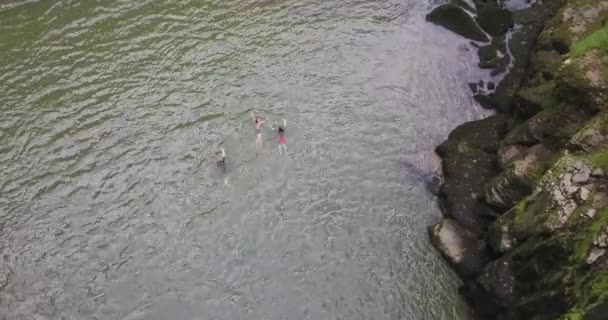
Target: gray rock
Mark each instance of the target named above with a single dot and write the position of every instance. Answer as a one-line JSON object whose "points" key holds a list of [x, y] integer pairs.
{"points": [[595, 254], [567, 207], [566, 179], [570, 190], [461, 248], [584, 194], [581, 177]]}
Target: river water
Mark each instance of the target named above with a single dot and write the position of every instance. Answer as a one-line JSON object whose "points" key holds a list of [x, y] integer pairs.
{"points": [[111, 116]]}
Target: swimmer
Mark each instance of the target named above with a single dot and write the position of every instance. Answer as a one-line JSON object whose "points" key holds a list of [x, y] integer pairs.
{"points": [[221, 163], [282, 140], [259, 123]]}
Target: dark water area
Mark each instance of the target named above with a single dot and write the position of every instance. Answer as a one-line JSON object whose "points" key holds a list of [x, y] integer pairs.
{"points": [[111, 117]]}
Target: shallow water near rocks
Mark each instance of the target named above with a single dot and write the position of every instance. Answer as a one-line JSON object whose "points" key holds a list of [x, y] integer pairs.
{"points": [[111, 116]]}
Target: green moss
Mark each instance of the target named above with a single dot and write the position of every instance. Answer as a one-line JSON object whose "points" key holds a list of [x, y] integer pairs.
{"points": [[590, 290], [600, 159], [596, 40], [588, 234], [541, 95], [521, 206], [573, 315]]}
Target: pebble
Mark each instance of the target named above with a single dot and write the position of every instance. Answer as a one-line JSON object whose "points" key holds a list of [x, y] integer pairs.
{"points": [[570, 189], [581, 177], [584, 194]]}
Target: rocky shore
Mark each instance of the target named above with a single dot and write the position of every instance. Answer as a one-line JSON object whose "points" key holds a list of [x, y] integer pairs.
{"points": [[525, 192]]}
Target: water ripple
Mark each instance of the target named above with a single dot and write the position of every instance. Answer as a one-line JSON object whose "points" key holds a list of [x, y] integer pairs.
{"points": [[111, 118]]}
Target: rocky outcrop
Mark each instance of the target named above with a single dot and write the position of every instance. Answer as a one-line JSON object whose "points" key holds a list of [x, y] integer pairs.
{"points": [[525, 192], [468, 160]]}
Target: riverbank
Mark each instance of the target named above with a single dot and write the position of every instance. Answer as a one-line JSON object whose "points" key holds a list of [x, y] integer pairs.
{"points": [[525, 192]]}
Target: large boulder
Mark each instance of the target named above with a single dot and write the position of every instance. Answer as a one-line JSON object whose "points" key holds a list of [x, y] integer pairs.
{"points": [[492, 56], [495, 21], [469, 160], [583, 80], [518, 178], [462, 249], [495, 287], [454, 18]]}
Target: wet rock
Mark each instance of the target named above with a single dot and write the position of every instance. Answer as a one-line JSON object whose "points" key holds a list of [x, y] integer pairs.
{"points": [[463, 4], [485, 210], [468, 160], [486, 101], [461, 248], [495, 286], [495, 21], [488, 57], [491, 85], [521, 45], [455, 19]]}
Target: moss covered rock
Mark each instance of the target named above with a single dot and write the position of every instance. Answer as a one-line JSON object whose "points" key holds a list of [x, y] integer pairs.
{"points": [[519, 177], [454, 18], [495, 21], [584, 80], [537, 195], [468, 160], [575, 20], [593, 137]]}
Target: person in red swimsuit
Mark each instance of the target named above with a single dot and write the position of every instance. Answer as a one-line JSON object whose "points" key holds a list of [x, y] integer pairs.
{"points": [[282, 139]]}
